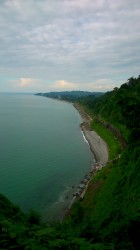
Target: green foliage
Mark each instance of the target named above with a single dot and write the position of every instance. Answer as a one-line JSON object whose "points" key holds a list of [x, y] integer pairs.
{"points": [[7, 209], [33, 217], [110, 139], [120, 107]]}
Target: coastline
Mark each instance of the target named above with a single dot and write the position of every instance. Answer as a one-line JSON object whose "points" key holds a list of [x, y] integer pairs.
{"points": [[98, 148], [97, 145]]}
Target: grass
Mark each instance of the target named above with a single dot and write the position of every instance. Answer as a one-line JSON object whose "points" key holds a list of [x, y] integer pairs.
{"points": [[94, 188], [107, 200], [114, 147], [101, 178], [113, 144]]}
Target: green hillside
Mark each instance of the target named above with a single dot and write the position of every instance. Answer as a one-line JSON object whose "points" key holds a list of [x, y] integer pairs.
{"points": [[108, 218], [119, 107]]}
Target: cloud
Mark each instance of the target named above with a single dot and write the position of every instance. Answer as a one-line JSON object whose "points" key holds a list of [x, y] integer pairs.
{"points": [[100, 85], [80, 41], [64, 85], [26, 82]]}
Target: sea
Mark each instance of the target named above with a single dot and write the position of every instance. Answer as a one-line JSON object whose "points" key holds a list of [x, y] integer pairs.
{"points": [[43, 153]]}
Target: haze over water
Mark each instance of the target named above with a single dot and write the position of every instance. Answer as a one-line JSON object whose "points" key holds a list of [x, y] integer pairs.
{"points": [[43, 156]]}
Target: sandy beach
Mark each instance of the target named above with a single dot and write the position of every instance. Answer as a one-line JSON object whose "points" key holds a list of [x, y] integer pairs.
{"points": [[97, 145]]}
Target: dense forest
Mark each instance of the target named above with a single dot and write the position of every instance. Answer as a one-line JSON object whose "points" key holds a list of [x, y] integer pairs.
{"points": [[120, 106], [108, 218]]}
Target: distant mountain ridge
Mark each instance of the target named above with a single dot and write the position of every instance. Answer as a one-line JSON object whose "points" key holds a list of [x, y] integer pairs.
{"points": [[71, 95]]}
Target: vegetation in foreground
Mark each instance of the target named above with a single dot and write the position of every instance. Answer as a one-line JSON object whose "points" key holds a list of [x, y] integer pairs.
{"points": [[108, 218]]}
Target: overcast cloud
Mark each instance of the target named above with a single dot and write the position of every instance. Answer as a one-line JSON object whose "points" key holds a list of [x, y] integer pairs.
{"points": [[50, 45]]}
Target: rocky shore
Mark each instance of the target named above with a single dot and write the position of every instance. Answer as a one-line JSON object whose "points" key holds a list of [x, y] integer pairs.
{"points": [[97, 145], [99, 149]]}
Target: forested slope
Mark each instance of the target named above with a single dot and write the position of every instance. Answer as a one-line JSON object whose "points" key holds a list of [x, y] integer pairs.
{"points": [[109, 215], [113, 198], [119, 107]]}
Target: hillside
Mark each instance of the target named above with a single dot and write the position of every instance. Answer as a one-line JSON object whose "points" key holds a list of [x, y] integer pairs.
{"points": [[108, 218], [112, 203], [119, 107]]}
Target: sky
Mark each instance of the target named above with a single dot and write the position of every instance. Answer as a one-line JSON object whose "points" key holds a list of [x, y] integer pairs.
{"points": [[57, 45]]}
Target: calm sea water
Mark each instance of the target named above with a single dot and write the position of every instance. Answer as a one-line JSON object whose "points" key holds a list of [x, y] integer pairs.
{"points": [[43, 156]]}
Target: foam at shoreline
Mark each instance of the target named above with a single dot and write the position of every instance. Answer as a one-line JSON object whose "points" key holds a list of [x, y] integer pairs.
{"points": [[84, 137]]}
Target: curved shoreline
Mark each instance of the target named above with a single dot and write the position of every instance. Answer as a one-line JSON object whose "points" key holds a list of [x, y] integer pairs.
{"points": [[97, 146], [99, 150]]}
